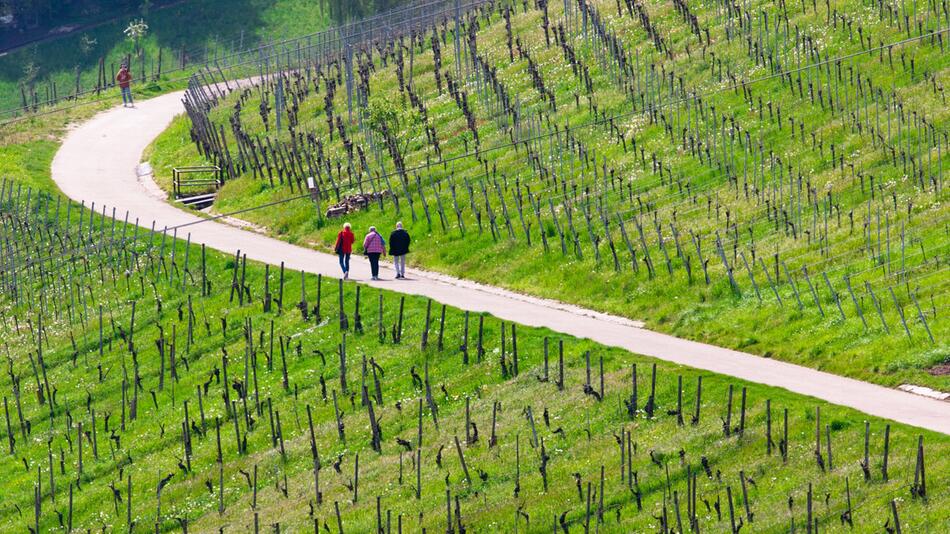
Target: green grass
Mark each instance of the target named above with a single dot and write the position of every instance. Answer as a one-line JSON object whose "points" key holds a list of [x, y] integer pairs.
{"points": [[671, 303], [586, 445], [28, 148], [171, 150], [24, 162], [74, 376]]}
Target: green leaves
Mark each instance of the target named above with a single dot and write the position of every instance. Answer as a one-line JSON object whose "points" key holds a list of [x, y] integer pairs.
{"points": [[402, 122]]}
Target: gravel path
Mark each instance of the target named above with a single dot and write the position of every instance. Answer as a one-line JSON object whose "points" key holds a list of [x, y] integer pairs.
{"points": [[98, 160]]}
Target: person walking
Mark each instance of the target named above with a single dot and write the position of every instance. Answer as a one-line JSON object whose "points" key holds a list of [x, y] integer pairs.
{"points": [[374, 246], [344, 247], [398, 248], [124, 77]]}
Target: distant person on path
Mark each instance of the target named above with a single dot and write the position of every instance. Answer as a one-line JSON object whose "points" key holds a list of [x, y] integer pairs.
{"points": [[398, 248], [374, 246], [124, 77], [344, 247]]}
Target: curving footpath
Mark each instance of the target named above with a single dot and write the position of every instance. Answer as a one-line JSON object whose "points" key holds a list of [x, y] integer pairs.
{"points": [[98, 163]]}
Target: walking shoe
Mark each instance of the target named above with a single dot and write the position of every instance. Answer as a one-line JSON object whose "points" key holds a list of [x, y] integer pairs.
{"points": [[346, 275]]}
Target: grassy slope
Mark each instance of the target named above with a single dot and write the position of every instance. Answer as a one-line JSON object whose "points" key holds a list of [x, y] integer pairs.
{"points": [[708, 313], [196, 25], [484, 503]]}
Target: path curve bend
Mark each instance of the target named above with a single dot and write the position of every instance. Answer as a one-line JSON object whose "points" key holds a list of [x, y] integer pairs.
{"points": [[97, 163]]}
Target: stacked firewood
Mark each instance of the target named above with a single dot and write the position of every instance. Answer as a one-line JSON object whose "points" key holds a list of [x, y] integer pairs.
{"points": [[356, 202]]}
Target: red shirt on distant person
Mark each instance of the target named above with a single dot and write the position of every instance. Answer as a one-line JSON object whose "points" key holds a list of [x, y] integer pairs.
{"points": [[124, 78]]}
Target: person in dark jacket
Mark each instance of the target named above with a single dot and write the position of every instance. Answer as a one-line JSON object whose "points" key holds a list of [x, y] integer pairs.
{"points": [[344, 247], [398, 248]]}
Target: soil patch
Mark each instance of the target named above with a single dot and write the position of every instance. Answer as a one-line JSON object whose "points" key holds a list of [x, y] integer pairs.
{"points": [[942, 369]]}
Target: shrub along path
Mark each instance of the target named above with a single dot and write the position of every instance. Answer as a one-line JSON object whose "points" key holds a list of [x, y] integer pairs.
{"points": [[97, 163]]}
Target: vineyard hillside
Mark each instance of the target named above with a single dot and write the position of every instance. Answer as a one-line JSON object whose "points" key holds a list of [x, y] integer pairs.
{"points": [[766, 176]]}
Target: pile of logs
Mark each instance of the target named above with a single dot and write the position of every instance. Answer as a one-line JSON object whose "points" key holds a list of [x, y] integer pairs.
{"points": [[356, 202]]}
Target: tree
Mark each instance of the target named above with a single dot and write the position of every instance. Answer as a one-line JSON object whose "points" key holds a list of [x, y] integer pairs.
{"points": [[401, 122], [30, 72], [135, 32], [87, 44]]}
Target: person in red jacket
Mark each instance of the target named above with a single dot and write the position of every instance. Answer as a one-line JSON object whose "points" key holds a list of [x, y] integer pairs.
{"points": [[344, 247], [124, 78]]}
